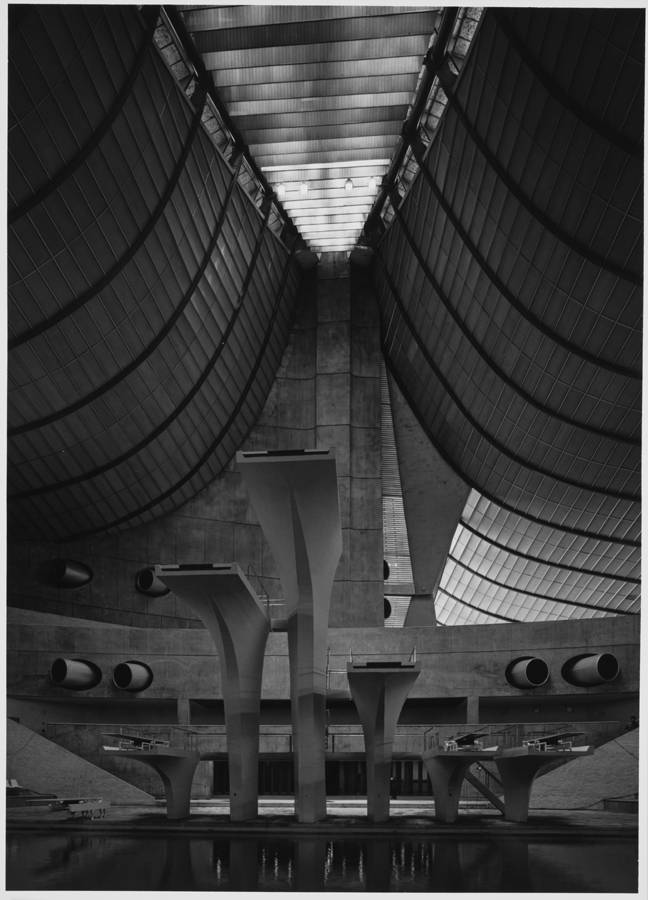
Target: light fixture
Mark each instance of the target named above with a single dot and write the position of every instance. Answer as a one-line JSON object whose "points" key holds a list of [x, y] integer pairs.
{"points": [[303, 188], [348, 185], [373, 184], [281, 190]]}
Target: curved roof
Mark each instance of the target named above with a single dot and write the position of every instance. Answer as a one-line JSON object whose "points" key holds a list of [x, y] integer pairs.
{"points": [[137, 361], [510, 290], [507, 213]]}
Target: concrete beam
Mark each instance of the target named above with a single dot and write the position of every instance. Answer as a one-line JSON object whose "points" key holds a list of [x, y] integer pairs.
{"points": [[295, 498]]}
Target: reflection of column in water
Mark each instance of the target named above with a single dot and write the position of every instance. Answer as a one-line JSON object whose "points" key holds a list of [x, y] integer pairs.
{"points": [[328, 862], [481, 866], [515, 865], [446, 874], [205, 863], [243, 870], [177, 872], [378, 865], [310, 856]]}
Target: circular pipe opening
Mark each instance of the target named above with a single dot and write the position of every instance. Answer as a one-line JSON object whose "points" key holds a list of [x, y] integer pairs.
{"points": [[75, 674], [122, 675], [64, 573], [147, 582], [59, 670], [590, 669], [132, 675], [537, 671], [608, 666], [527, 672]]}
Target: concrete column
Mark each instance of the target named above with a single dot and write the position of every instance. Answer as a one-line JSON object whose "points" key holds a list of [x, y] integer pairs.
{"points": [[239, 625], [447, 770], [176, 768], [433, 496], [379, 694], [472, 709], [518, 767], [420, 611], [295, 498], [184, 711]]}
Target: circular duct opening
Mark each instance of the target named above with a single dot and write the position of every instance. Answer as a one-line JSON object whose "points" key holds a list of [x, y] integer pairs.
{"points": [[59, 670], [527, 672], [132, 676], [537, 671], [144, 580], [74, 674], [58, 569], [385, 570], [123, 675], [387, 608], [608, 666], [147, 582], [64, 573], [590, 669]]}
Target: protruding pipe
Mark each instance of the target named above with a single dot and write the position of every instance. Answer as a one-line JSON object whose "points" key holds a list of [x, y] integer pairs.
{"points": [[75, 674], [595, 668], [147, 582], [132, 676], [66, 573], [528, 672]]}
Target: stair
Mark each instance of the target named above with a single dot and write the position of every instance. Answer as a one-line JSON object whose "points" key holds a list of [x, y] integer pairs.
{"points": [[477, 783]]}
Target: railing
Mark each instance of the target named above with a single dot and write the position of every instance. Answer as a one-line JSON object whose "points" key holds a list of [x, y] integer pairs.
{"points": [[520, 734], [410, 739]]}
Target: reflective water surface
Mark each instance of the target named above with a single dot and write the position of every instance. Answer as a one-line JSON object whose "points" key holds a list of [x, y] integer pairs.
{"points": [[268, 863]]}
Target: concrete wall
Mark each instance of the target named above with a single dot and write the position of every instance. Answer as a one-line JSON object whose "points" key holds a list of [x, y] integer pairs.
{"points": [[462, 681], [41, 765], [612, 772], [326, 394], [462, 662]]}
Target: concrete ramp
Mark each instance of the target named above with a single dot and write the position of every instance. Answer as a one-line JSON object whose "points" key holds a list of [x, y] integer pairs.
{"points": [[611, 772], [41, 765]]}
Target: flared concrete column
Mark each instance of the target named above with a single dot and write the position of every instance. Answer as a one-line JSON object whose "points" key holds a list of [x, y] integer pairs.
{"points": [[379, 692], [239, 625], [447, 770], [295, 497], [518, 767], [176, 768]]}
